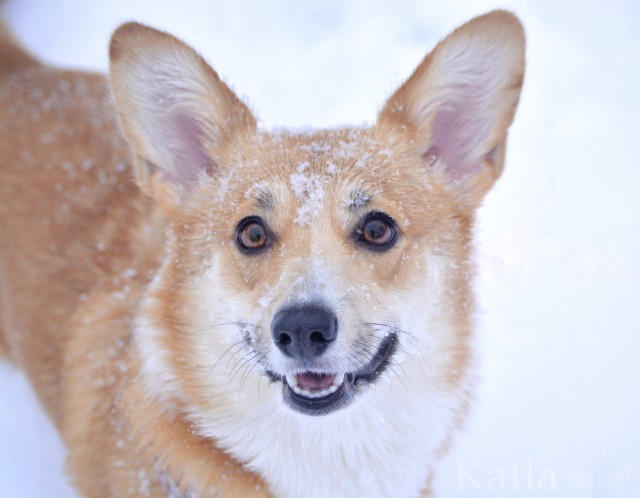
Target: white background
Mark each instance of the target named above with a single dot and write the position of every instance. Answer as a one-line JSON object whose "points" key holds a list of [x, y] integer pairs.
{"points": [[559, 279]]}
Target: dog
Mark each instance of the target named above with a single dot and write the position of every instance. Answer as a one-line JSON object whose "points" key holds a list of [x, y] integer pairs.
{"points": [[205, 308]]}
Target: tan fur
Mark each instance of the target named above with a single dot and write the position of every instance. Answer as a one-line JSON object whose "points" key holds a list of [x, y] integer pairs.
{"points": [[90, 261]]}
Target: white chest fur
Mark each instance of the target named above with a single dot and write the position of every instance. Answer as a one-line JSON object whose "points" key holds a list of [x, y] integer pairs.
{"points": [[384, 445]]}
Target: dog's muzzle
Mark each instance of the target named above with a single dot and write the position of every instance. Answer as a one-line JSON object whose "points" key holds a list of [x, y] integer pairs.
{"points": [[304, 334]]}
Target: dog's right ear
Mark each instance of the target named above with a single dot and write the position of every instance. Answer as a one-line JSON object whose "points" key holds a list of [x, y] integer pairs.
{"points": [[174, 110]]}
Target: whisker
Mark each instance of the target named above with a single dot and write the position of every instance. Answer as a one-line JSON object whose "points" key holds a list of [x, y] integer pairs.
{"points": [[250, 365], [390, 367], [392, 329], [399, 346], [353, 360], [362, 358], [239, 345], [350, 291], [240, 364], [366, 347], [258, 362], [262, 374]]}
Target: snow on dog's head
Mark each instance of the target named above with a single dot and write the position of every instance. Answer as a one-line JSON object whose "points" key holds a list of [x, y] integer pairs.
{"points": [[313, 279]]}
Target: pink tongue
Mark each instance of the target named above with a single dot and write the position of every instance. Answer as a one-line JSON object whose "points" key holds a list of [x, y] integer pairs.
{"points": [[315, 382]]}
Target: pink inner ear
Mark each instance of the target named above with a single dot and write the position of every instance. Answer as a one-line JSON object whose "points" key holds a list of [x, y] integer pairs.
{"points": [[458, 134], [183, 136]]}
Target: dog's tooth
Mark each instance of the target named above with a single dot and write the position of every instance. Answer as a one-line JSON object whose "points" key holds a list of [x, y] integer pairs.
{"points": [[291, 380], [335, 385], [304, 392], [293, 384]]}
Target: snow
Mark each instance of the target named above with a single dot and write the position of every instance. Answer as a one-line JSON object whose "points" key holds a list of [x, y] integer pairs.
{"points": [[309, 190], [558, 408]]}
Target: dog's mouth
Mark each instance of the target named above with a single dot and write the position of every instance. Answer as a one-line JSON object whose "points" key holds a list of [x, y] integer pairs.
{"points": [[317, 393]]}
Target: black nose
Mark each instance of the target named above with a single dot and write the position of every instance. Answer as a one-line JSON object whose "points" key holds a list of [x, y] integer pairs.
{"points": [[304, 332]]}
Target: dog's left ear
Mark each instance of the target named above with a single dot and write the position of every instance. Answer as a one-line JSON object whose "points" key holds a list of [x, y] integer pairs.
{"points": [[457, 106], [174, 110]]}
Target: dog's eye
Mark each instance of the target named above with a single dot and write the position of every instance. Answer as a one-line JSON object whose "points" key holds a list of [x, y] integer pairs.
{"points": [[378, 231], [252, 234]]}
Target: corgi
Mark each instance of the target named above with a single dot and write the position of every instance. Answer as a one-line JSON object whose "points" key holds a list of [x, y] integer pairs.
{"points": [[206, 308]]}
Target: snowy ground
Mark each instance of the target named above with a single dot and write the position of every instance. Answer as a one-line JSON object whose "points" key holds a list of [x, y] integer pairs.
{"points": [[558, 413]]}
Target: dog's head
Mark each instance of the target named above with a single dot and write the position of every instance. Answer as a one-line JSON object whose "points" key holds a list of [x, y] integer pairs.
{"points": [[302, 268]]}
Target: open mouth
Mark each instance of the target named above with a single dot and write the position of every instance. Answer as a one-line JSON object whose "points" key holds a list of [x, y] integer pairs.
{"points": [[314, 393]]}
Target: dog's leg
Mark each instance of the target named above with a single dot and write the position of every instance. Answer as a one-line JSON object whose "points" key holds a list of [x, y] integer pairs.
{"points": [[4, 347], [12, 57], [4, 353]]}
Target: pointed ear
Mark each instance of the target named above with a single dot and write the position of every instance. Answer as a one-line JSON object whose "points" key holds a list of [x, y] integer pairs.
{"points": [[174, 110], [459, 103]]}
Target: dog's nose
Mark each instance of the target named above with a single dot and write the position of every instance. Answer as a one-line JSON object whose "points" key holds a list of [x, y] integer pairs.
{"points": [[304, 332]]}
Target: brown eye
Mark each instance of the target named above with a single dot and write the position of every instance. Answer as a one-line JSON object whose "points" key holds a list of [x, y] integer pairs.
{"points": [[252, 235], [378, 231]]}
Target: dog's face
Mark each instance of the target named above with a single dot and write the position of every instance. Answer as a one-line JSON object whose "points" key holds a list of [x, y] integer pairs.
{"points": [[325, 259], [310, 273]]}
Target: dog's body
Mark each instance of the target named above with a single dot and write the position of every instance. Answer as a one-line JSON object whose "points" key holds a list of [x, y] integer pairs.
{"points": [[260, 313]]}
